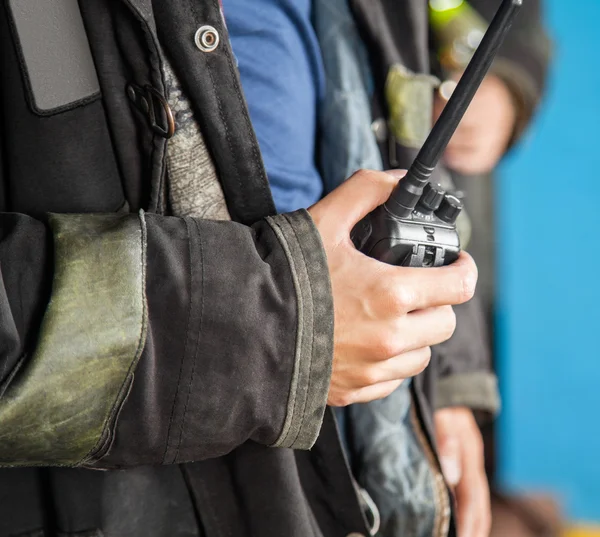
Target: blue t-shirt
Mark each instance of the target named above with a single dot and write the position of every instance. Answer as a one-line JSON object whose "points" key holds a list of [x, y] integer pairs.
{"points": [[282, 76]]}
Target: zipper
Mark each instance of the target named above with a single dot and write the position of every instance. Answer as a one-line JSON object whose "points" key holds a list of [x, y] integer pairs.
{"points": [[441, 525]]}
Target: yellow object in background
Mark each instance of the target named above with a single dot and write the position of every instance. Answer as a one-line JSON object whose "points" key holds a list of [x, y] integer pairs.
{"points": [[583, 532], [458, 29]]}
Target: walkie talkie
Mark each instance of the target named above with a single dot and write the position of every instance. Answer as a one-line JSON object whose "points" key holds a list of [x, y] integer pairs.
{"points": [[416, 226]]}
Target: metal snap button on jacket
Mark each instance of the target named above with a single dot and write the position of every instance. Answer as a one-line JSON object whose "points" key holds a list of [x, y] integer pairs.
{"points": [[207, 38]]}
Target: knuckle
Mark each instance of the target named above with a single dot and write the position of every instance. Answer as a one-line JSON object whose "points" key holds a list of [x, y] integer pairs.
{"points": [[401, 298], [350, 398], [365, 175], [362, 172], [342, 399], [369, 376], [375, 178], [388, 346]]}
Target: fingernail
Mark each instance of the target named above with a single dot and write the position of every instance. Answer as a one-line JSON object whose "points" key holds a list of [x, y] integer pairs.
{"points": [[398, 174]]}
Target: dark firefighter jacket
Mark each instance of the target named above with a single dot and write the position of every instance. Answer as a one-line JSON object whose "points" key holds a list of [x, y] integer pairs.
{"points": [[162, 376]]}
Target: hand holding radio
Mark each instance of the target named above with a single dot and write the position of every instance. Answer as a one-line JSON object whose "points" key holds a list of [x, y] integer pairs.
{"points": [[379, 233], [386, 317], [416, 226]]}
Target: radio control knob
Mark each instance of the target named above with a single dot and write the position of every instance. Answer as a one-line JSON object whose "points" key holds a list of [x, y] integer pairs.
{"points": [[430, 200], [449, 209]]}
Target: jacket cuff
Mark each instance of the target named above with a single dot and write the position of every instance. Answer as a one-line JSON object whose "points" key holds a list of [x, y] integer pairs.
{"points": [[314, 337], [477, 391]]}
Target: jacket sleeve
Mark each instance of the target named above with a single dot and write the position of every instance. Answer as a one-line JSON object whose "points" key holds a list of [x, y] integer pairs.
{"points": [[141, 339], [464, 374], [522, 62]]}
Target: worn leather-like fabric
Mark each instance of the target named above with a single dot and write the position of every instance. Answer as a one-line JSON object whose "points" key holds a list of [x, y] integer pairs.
{"points": [[311, 378], [222, 348], [58, 405], [32, 181], [214, 379], [220, 384]]}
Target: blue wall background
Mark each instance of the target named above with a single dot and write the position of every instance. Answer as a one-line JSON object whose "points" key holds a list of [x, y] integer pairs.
{"points": [[549, 278]]}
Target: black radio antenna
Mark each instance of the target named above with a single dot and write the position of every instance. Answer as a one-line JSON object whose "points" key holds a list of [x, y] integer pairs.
{"points": [[408, 191]]}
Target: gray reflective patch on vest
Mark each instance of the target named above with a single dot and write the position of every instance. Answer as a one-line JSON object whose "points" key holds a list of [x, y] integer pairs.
{"points": [[55, 53]]}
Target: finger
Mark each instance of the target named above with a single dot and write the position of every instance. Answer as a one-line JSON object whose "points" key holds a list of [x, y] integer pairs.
{"points": [[473, 507], [377, 391], [412, 289], [479, 502], [400, 367], [483, 520], [413, 332], [466, 505], [431, 326], [472, 493], [449, 453], [358, 196]]}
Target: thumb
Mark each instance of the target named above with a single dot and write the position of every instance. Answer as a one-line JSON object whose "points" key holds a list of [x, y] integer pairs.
{"points": [[449, 453], [357, 197]]}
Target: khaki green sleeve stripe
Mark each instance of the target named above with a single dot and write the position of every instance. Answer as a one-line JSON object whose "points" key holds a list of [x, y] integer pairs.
{"points": [[309, 386], [477, 391], [62, 402]]}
